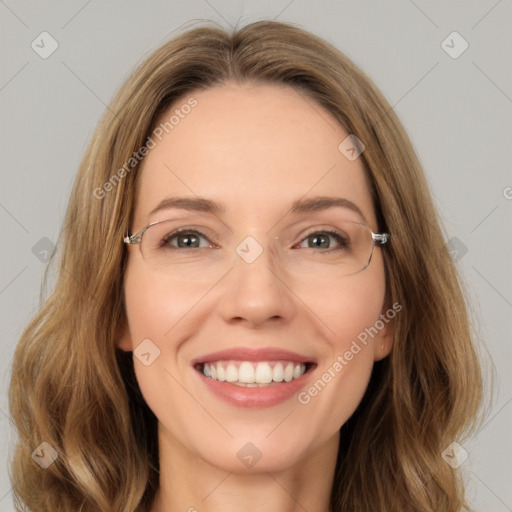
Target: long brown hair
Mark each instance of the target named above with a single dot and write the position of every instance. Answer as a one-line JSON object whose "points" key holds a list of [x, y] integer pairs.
{"points": [[74, 389]]}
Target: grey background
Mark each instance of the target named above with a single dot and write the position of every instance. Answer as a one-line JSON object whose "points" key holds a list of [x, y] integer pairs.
{"points": [[457, 112]]}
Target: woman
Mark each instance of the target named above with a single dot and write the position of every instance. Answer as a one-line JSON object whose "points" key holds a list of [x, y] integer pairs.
{"points": [[255, 309]]}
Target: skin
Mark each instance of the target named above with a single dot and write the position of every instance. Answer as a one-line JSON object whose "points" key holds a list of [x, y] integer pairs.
{"points": [[256, 149]]}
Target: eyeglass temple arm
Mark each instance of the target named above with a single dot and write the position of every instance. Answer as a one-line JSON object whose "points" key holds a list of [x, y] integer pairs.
{"points": [[132, 239], [380, 238]]}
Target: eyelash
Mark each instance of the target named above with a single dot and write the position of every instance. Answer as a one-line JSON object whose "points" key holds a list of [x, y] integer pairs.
{"points": [[335, 234]]}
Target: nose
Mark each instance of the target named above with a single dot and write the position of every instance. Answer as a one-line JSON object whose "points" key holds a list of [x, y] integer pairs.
{"points": [[256, 293]]}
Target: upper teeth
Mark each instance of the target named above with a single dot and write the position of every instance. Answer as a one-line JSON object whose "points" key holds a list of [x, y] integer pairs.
{"points": [[246, 373]]}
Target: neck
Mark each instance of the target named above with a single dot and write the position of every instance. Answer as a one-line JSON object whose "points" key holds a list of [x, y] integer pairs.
{"points": [[188, 483]]}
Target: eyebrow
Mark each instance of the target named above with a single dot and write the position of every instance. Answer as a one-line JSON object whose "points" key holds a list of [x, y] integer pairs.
{"points": [[300, 206]]}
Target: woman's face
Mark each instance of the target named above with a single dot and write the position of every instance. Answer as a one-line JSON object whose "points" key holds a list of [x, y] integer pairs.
{"points": [[258, 290]]}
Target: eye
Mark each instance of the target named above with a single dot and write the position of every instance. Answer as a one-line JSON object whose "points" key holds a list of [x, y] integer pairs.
{"points": [[185, 238], [322, 240]]}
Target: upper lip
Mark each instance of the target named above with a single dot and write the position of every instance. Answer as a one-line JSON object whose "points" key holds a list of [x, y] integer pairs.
{"points": [[252, 354]]}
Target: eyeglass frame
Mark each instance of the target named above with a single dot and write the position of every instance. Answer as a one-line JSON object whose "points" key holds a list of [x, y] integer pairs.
{"points": [[379, 239]]}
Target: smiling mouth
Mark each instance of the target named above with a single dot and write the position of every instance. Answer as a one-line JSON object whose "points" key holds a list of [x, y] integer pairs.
{"points": [[253, 373]]}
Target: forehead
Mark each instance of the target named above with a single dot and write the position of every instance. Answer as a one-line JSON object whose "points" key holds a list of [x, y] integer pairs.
{"points": [[253, 148]]}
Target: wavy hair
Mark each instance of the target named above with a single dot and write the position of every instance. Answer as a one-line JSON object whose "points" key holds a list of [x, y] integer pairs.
{"points": [[72, 388]]}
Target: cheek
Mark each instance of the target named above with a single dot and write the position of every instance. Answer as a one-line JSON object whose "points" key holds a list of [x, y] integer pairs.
{"points": [[344, 371], [349, 312], [155, 306], [156, 312], [350, 306]]}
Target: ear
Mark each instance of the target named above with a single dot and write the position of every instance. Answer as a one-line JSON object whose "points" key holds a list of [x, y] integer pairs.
{"points": [[124, 339], [383, 342]]}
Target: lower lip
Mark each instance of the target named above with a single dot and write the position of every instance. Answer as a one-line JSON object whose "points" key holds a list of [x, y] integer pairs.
{"points": [[256, 398]]}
